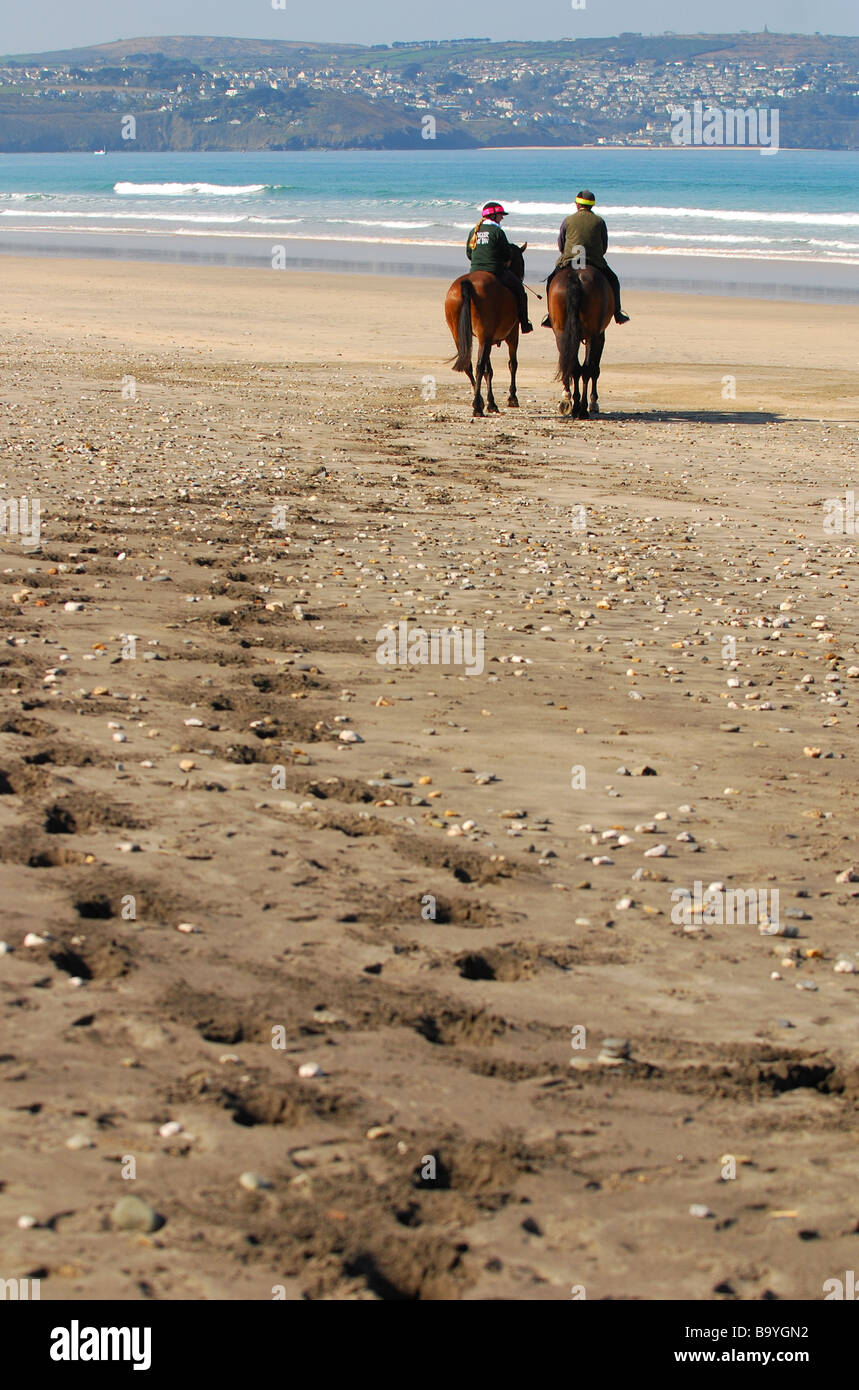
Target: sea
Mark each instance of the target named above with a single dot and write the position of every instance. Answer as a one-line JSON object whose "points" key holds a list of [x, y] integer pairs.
{"points": [[797, 208]]}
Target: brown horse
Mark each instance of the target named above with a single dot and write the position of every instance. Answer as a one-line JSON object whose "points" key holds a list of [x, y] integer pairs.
{"points": [[479, 303], [581, 306]]}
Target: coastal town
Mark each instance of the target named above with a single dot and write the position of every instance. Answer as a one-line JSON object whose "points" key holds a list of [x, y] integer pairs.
{"points": [[221, 93]]}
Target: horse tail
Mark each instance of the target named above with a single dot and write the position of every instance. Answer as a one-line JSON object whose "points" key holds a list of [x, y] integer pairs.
{"points": [[463, 330], [572, 335]]}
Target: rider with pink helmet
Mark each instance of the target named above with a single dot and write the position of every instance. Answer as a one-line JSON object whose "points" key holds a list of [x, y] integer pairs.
{"points": [[488, 249]]}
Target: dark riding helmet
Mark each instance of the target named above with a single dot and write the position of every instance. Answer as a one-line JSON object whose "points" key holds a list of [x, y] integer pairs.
{"points": [[493, 209]]}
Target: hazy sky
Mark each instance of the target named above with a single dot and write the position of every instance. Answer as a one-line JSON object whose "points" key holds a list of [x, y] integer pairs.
{"points": [[49, 24]]}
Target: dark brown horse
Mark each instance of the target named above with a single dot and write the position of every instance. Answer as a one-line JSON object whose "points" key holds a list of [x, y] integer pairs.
{"points": [[581, 306], [479, 303]]}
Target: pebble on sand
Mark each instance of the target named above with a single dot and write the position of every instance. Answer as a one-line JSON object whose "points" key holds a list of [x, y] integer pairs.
{"points": [[698, 1209], [309, 1069], [133, 1214], [253, 1182]]}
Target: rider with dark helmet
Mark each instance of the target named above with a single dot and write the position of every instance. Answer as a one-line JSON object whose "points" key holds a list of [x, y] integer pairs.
{"points": [[586, 229], [488, 249]]}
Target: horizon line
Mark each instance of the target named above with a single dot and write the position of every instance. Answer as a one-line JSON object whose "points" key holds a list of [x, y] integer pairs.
{"points": [[408, 43]]}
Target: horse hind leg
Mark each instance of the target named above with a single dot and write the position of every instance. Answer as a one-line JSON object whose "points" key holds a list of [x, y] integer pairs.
{"points": [[576, 410], [565, 404], [580, 405], [599, 344], [512, 398], [477, 404], [576, 404], [491, 404]]}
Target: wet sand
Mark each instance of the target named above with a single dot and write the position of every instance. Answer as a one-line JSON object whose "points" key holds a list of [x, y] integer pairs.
{"points": [[731, 275], [422, 913]]}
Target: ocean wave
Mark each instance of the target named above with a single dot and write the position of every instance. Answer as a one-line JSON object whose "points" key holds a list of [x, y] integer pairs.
{"points": [[184, 190], [126, 216], [620, 238], [740, 255], [742, 239], [820, 219], [374, 222]]}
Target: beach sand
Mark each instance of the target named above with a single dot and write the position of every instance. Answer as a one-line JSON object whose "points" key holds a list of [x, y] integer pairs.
{"points": [[418, 913]]}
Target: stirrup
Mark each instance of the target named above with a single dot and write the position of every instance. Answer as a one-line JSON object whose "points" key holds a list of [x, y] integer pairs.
{"points": [[547, 322]]}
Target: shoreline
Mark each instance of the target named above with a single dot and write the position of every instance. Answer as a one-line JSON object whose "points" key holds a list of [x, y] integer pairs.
{"points": [[748, 278], [450, 149]]}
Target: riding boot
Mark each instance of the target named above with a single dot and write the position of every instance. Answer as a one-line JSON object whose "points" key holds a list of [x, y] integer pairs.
{"points": [[525, 324], [619, 315]]}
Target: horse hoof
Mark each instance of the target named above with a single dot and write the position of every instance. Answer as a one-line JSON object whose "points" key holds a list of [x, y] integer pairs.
{"points": [[595, 410], [492, 410], [514, 404], [565, 407]]}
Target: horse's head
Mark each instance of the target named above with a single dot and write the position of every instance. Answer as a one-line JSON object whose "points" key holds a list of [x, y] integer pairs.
{"points": [[517, 259]]}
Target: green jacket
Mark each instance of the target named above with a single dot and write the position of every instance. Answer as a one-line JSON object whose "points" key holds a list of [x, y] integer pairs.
{"points": [[487, 247], [587, 229]]}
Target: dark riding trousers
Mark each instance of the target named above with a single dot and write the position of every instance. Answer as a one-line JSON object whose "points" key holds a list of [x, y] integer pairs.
{"points": [[516, 288]]}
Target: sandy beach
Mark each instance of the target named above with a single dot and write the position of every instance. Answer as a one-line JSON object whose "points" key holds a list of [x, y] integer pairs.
{"points": [[239, 846]]}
